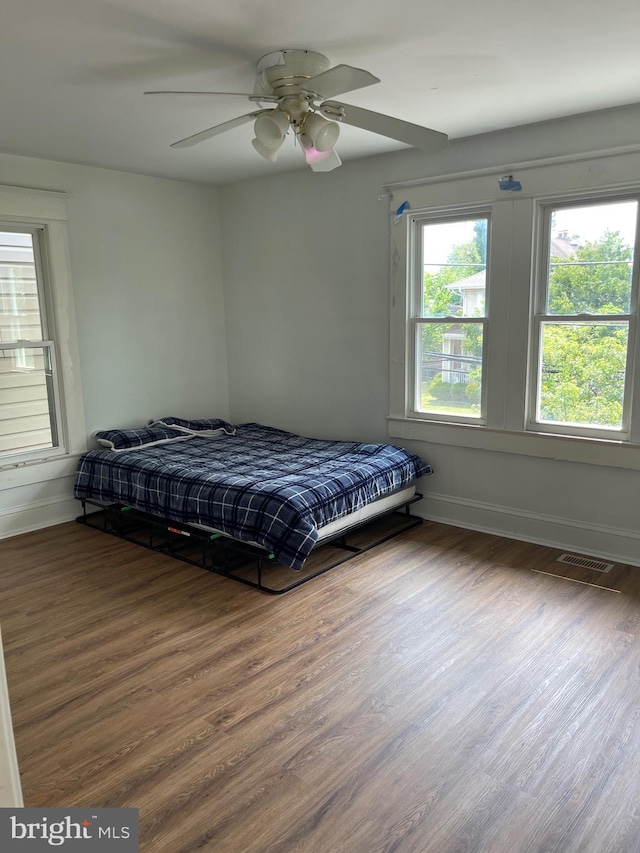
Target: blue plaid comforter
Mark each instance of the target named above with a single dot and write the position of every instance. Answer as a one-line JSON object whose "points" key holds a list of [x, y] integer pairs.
{"points": [[260, 485]]}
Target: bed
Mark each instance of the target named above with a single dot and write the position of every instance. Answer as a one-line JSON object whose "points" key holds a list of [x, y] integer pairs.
{"points": [[254, 485]]}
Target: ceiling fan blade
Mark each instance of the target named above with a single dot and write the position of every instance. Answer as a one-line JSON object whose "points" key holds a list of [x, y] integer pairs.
{"points": [[327, 164], [340, 79], [394, 128], [234, 94], [216, 130]]}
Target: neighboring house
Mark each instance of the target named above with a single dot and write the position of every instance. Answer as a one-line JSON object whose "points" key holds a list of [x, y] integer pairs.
{"points": [[472, 290], [563, 246]]}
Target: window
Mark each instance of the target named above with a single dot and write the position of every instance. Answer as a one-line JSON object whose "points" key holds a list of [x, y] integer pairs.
{"points": [[41, 413], [584, 325], [28, 394], [514, 314], [449, 288]]}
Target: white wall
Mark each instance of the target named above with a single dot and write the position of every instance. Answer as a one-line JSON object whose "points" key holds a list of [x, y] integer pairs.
{"points": [[146, 268], [306, 276], [306, 284]]}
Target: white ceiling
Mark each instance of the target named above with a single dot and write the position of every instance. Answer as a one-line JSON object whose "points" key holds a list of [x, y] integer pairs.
{"points": [[73, 72]]}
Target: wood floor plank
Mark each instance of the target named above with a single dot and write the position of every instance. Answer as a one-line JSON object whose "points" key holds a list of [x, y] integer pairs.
{"points": [[441, 693]]}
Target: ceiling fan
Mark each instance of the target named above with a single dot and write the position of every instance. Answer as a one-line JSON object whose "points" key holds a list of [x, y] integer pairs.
{"points": [[300, 84]]}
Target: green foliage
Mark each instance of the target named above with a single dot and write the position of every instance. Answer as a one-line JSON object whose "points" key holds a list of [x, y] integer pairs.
{"points": [[473, 340], [582, 379], [438, 299], [452, 396], [583, 370], [440, 390], [584, 284], [432, 338], [458, 392], [436, 293], [472, 392], [583, 374], [455, 392], [480, 238]]}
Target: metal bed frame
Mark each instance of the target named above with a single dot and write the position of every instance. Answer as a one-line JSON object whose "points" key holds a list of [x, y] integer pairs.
{"points": [[224, 556]]}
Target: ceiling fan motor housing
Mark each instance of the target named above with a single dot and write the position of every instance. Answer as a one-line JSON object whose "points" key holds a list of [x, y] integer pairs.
{"points": [[287, 71]]}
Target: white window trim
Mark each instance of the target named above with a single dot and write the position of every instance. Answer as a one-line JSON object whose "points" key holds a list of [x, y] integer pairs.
{"points": [[41, 208], [415, 273], [629, 432], [512, 266]]}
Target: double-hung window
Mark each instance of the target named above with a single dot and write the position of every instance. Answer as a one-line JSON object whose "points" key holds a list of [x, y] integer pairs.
{"points": [[29, 410], [584, 324], [449, 316], [41, 411], [514, 314]]}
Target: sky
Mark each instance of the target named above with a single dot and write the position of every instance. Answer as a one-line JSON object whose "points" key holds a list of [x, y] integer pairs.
{"points": [[440, 238], [588, 222]]}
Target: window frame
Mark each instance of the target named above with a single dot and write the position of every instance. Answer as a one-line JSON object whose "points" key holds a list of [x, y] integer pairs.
{"points": [[44, 214], [53, 397], [571, 178], [46, 343], [540, 315], [417, 320]]}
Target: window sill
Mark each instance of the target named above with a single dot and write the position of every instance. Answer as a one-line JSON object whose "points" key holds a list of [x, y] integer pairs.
{"points": [[613, 454], [29, 472]]}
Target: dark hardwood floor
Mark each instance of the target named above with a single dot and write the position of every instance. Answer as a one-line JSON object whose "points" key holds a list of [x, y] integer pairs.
{"points": [[433, 695]]}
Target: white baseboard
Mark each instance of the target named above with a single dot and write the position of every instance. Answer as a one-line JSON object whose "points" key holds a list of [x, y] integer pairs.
{"points": [[608, 543], [37, 514]]}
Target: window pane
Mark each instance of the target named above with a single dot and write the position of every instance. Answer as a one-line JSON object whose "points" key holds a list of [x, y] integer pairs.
{"points": [[583, 373], [591, 259], [26, 397], [454, 268], [19, 307], [450, 368]]}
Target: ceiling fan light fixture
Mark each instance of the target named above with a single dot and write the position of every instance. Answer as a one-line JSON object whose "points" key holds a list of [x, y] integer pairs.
{"points": [[271, 128], [311, 153], [265, 151], [322, 133], [320, 161]]}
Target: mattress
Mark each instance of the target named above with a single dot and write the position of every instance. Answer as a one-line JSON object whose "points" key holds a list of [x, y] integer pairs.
{"points": [[260, 485], [360, 516]]}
